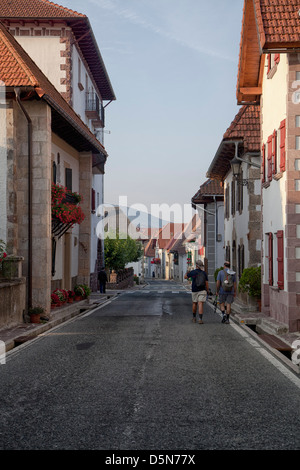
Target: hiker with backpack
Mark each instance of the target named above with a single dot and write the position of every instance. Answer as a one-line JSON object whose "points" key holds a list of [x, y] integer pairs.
{"points": [[226, 289], [200, 289]]}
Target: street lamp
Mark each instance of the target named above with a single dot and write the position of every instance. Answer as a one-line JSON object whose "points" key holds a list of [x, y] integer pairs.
{"points": [[236, 166]]}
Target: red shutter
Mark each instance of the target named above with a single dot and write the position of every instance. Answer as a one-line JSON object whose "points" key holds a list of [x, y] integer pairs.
{"points": [[270, 154], [282, 145], [277, 58], [270, 259], [280, 259], [263, 164], [274, 153]]}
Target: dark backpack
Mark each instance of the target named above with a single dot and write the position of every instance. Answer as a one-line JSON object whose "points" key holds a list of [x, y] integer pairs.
{"points": [[200, 280], [228, 282]]}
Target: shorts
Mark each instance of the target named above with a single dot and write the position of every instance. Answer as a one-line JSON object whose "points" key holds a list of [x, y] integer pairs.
{"points": [[226, 298], [199, 296]]}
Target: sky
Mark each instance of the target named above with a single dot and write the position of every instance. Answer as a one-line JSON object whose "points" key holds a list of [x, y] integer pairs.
{"points": [[173, 66]]}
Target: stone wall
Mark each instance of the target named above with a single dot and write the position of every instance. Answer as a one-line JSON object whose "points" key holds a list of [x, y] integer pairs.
{"points": [[12, 302]]}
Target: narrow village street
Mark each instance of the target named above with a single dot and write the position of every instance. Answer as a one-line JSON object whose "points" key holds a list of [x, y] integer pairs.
{"points": [[137, 374]]}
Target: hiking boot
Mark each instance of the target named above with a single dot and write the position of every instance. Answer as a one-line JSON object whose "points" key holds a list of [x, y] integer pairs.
{"points": [[201, 322], [194, 320]]}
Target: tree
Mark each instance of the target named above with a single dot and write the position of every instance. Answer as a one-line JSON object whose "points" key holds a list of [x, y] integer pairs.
{"points": [[120, 251]]}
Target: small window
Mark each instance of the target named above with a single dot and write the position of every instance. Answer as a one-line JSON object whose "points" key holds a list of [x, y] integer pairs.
{"points": [[68, 176]]}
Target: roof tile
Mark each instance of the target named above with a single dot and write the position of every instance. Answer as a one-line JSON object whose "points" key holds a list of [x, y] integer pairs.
{"points": [[35, 9], [18, 69]]}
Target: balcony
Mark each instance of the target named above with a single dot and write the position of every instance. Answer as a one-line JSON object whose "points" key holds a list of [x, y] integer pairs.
{"points": [[94, 110]]}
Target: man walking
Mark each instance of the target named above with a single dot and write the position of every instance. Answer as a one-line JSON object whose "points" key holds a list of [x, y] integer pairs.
{"points": [[226, 289], [102, 277], [200, 289]]}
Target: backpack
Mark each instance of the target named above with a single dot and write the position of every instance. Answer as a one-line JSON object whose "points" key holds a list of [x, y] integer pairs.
{"points": [[200, 280], [227, 284]]}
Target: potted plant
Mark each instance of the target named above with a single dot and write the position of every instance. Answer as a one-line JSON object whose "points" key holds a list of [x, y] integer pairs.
{"points": [[62, 294], [250, 283], [71, 296], [79, 292], [35, 314], [87, 290], [55, 302]]}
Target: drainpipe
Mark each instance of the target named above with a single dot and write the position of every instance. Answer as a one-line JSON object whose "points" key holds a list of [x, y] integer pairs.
{"points": [[29, 267]]}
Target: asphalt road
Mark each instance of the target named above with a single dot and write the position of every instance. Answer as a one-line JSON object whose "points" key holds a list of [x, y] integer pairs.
{"points": [[137, 374]]}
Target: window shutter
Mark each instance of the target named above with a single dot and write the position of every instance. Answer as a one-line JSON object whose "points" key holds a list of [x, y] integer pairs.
{"points": [[270, 259], [274, 153], [93, 200], [282, 145], [68, 175], [263, 164], [277, 58], [270, 154], [269, 62], [280, 259]]}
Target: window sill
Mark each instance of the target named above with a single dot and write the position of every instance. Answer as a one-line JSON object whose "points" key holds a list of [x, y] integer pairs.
{"points": [[278, 176], [272, 72]]}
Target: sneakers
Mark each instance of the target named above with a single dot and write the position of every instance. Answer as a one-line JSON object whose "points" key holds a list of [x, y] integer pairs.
{"points": [[200, 322], [194, 319]]}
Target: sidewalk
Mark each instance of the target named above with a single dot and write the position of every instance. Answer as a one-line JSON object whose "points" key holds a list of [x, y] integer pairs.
{"points": [[19, 334]]}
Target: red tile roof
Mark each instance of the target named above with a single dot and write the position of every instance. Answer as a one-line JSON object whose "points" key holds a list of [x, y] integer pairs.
{"points": [[278, 21], [245, 128], [207, 190], [12, 11], [267, 25], [35, 9], [18, 70]]}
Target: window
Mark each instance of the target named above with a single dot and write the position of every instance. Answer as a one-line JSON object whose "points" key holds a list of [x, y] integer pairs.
{"points": [[263, 166], [274, 153], [270, 257], [227, 202], [68, 176], [241, 260], [80, 86], [227, 253], [240, 193], [280, 261], [233, 198], [270, 154], [93, 201]]}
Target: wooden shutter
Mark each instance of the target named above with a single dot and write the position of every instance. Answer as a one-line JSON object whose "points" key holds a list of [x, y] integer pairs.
{"points": [[280, 259], [274, 154], [277, 58], [282, 145], [269, 58], [270, 259], [263, 164], [93, 200], [270, 154]]}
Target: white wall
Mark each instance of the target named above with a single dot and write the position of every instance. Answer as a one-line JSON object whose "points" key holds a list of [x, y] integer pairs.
{"points": [[274, 110], [45, 52]]}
